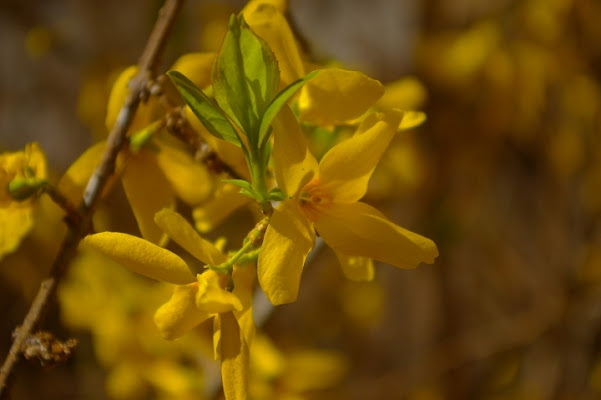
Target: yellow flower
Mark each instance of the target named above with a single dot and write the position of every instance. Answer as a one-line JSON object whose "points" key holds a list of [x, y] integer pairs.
{"points": [[20, 172], [325, 198], [197, 297]]}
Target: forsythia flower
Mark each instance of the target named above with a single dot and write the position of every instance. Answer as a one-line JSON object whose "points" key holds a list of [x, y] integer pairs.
{"points": [[325, 198], [196, 298], [20, 173]]}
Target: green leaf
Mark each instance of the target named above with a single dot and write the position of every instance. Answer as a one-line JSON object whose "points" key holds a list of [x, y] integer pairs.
{"points": [[246, 77], [205, 110], [280, 100], [239, 182]]}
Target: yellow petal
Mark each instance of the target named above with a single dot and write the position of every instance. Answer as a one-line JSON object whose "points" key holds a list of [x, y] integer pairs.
{"points": [[74, 181], [234, 356], [293, 162], [148, 191], [345, 169], [358, 229], [406, 93], [412, 119], [16, 224], [335, 96], [178, 229], [280, 5], [141, 256], [198, 67], [288, 240], [269, 23], [119, 91], [179, 314], [226, 200], [244, 284], [358, 269], [188, 177], [212, 297]]}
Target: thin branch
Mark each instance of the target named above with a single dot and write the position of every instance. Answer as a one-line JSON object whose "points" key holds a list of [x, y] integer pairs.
{"points": [[147, 70]]}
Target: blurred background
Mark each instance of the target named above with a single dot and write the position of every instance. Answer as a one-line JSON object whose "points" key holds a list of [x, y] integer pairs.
{"points": [[505, 176]]}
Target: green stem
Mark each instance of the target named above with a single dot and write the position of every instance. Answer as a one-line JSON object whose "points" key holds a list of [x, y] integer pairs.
{"points": [[227, 266]]}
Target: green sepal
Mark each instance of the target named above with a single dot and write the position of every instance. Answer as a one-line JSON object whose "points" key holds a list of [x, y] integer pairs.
{"points": [[138, 139], [23, 188], [205, 110], [280, 100], [246, 77]]}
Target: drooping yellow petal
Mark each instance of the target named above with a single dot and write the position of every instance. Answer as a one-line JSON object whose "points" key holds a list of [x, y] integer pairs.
{"points": [[179, 314], [244, 279], [212, 297], [178, 229], [148, 191], [269, 23], [226, 200], [188, 177], [233, 351], [335, 96], [345, 169], [355, 268], [198, 67], [16, 224], [293, 162], [288, 240], [358, 229], [74, 181], [141, 256]]}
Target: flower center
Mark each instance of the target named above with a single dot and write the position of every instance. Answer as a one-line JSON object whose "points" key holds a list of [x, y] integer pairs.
{"points": [[313, 199]]}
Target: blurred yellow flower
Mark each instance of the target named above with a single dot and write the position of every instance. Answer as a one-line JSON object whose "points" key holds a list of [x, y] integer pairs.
{"points": [[21, 174]]}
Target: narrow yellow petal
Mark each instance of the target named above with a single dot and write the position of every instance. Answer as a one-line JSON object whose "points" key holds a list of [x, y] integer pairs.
{"points": [[212, 297], [198, 67], [179, 314], [148, 191], [244, 284], [141, 256], [74, 181], [335, 96], [288, 240], [355, 268], [189, 178], [293, 162], [234, 358], [345, 169], [405, 94], [178, 229], [358, 229], [269, 23]]}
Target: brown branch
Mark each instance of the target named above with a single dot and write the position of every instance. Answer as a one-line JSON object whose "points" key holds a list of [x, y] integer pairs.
{"points": [[138, 86]]}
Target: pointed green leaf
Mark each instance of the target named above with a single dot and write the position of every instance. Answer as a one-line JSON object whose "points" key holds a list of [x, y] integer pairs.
{"points": [[205, 110], [246, 77], [280, 100], [239, 182]]}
